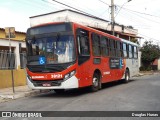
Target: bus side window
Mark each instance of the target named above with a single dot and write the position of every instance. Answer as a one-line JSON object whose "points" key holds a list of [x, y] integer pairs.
{"points": [[124, 50], [121, 49], [83, 45], [83, 42], [104, 46], [130, 51], [118, 50], [112, 49], [96, 44], [135, 52]]}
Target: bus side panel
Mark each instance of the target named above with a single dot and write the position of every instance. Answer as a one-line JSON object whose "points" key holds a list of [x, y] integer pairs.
{"points": [[114, 74], [105, 70], [132, 64], [85, 73]]}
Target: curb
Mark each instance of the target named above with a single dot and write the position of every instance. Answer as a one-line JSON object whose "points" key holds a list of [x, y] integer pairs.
{"points": [[12, 96]]}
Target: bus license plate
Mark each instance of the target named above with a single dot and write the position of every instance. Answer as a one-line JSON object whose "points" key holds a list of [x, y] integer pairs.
{"points": [[46, 85]]}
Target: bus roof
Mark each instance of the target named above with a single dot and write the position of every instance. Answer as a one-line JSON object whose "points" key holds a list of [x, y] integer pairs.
{"points": [[129, 42], [97, 31]]}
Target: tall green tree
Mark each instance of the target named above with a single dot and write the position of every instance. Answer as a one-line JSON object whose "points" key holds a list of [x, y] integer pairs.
{"points": [[150, 52]]}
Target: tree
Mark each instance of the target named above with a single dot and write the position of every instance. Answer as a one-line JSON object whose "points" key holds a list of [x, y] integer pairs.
{"points": [[150, 52]]}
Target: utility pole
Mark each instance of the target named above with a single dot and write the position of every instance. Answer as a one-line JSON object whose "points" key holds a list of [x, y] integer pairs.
{"points": [[112, 16], [10, 33]]}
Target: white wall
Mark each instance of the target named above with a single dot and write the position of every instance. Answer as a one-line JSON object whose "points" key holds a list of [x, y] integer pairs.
{"points": [[159, 64]]}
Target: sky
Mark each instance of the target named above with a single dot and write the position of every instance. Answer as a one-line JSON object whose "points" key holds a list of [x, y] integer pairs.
{"points": [[143, 15]]}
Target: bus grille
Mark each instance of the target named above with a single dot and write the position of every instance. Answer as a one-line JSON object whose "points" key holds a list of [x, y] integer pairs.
{"points": [[38, 83]]}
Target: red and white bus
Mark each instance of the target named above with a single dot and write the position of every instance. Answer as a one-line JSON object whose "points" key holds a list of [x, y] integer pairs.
{"points": [[68, 55]]}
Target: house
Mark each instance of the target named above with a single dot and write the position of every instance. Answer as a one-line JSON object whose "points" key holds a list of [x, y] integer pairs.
{"points": [[12, 61]]}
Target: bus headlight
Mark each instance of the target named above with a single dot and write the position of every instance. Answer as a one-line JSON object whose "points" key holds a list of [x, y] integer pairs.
{"points": [[67, 76]]}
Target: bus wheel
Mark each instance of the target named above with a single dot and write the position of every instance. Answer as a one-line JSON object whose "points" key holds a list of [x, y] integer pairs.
{"points": [[59, 91], [126, 76], [95, 82]]}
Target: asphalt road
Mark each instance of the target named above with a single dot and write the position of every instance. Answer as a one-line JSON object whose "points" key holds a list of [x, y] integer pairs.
{"points": [[140, 94]]}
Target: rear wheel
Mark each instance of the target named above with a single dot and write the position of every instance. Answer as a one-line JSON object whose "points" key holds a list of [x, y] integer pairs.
{"points": [[95, 82], [126, 76], [59, 91]]}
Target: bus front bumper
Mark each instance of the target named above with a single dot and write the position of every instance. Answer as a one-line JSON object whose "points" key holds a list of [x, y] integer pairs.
{"points": [[70, 83]]}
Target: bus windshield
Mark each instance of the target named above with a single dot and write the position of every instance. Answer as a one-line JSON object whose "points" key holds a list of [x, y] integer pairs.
{"points": [[55, 49]]}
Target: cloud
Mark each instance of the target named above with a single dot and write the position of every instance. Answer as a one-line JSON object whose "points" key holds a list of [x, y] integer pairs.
{"points": [[13, 19]]}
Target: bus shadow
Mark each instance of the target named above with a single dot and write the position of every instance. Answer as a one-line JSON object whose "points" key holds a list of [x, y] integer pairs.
{"points": [[78, 92], [65, 94], [115, 83]]}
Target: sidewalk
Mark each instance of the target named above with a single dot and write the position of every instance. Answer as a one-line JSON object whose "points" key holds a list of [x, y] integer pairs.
{"points": [[149, 72], [7, 94]]}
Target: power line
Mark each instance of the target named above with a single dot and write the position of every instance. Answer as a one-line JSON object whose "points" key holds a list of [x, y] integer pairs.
{"points": [[137, 22], [119, 10], [71, 7], [103, 13], [139, 12], [104, 2], [145, 18], [86, 7], [92, 15], [121, 7], [145, 35]]}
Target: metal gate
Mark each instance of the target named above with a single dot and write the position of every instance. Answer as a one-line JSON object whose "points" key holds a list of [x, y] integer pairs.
{"points": [[7, 60]]}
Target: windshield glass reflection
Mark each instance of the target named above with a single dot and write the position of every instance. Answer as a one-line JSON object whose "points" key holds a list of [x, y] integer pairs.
{"points": [[57, 49]]}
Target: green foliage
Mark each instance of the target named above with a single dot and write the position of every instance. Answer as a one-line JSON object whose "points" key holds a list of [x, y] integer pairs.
{"points": [[145, 68], [142, 68], [150, 52]]}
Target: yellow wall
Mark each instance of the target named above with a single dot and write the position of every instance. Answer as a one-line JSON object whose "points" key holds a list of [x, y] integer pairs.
{"points": [[6, 79], [19, 35]]}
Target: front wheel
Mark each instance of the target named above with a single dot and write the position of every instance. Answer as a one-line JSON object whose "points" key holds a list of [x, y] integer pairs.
{"points": [[95, 82]]}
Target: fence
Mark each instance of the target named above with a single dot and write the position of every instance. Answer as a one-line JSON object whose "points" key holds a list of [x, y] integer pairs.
{"points": [[7, 60], [23, 60]]}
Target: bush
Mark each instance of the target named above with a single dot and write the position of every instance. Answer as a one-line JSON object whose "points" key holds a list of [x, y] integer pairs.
{"points": [[145, 68], [142, 68], [149, 68]]}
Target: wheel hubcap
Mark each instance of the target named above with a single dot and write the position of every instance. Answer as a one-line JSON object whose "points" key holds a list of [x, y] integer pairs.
{"points": [[127, 77], [95, 81]]}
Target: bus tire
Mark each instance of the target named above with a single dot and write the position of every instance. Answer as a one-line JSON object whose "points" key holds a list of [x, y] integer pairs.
{"points": [[95, 82], [59, 91], [126, 79]]}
